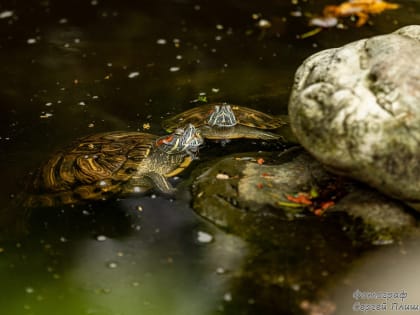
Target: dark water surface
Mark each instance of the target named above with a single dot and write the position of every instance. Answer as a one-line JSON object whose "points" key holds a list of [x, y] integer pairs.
{"points": [[72, 68]]}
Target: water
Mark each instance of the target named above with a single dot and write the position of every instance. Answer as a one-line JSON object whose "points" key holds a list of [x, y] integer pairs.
{"points": [[75, 68]]}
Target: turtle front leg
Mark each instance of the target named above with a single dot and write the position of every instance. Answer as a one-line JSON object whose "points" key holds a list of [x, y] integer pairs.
{"points": [[147, 181], [160, 183]]}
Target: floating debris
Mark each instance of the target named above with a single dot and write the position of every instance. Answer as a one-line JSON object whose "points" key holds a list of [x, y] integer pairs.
{"points": [[359, 8], [133, 74], [264, 24], [146, 126], [29, 290], [45, 115], [161, 41], [174, 69], [31, 41], [220, 271], [203, 237], [227, 297], [222, 176], [112, 265], [101, 238], [6, 14], [311, 32]]}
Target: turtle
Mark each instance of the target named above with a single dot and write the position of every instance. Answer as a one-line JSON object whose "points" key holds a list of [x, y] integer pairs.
{"points": [[113, 163], [223, 121]]}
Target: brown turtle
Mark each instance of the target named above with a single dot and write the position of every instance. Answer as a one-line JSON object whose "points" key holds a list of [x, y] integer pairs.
{"points": [[222, 121], [107, 164]]}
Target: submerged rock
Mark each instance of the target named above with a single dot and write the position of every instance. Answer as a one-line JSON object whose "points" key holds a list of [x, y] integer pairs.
{"points": [[357, 110], [256, 195]]}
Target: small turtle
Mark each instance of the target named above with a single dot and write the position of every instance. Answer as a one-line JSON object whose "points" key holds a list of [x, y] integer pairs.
{"points": [[120, 162], [222, 121]]}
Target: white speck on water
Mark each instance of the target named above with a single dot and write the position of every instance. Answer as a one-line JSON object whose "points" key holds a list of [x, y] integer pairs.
{"points": [[197, 7], [82, 103], [45, 115], [227, 297], [76, 40], [219, 26], [112, 265], [85, 212], [31, 41], [222, 176], [66, 45], [139, 208], [95, 97], [178, 57], [203, 237], [109, 64], [91, 125], [218, 37], [48, 104], [6, 14], [63, 239], [174, 69], [215, 90], [161, 41], [264, 24], [102, 183], [29, 290], [101, 238], [135, 284], [94, 2], [220, 270], [153, 196], [63, 21], [133, 74]]}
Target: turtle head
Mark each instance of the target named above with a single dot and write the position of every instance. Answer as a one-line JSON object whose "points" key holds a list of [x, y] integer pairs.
{"points": [[222, 116], [186, 140]]}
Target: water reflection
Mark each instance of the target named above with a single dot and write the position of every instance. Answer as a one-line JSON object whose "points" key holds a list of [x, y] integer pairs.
{"points": [[67, 71]]}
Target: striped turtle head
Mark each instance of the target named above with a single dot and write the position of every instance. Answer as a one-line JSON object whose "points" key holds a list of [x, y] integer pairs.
{"points": [[186, 140], [222, 116]]}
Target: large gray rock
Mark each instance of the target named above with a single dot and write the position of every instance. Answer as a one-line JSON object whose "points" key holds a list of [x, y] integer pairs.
{"points": [[357, 110]]}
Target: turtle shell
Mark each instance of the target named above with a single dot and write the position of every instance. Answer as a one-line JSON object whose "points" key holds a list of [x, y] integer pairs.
{"points": [[92, 167], [198, 116]]}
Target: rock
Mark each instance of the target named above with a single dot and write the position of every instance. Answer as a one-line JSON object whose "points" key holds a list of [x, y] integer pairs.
{"points": [[357, 110], [238, 186], [374, 218], [248, 197]]}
